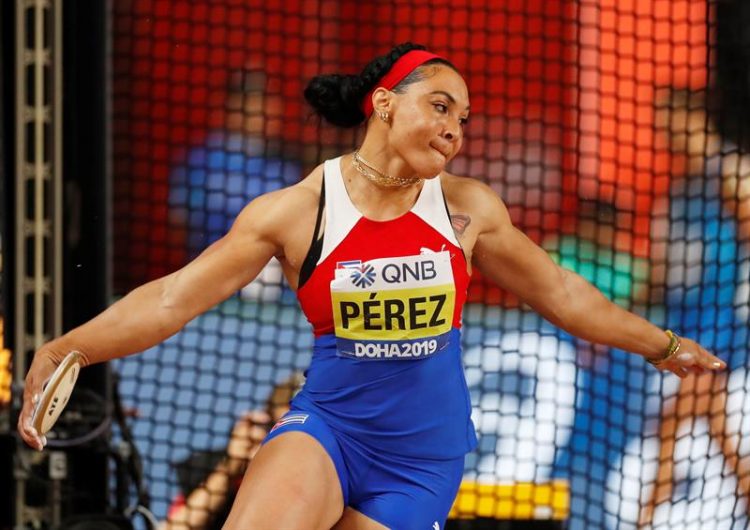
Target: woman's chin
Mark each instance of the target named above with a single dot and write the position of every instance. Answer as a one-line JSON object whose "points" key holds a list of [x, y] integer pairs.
{"points": [[430, 176], [431, 169]]}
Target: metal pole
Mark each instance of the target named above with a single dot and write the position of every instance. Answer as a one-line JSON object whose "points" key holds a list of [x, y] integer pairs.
{"points": [[19, 364], [57, 170], [38, 220]]}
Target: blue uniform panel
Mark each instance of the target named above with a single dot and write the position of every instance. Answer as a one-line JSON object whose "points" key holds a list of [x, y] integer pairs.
{"points": [[419, 408], [399, 492]]}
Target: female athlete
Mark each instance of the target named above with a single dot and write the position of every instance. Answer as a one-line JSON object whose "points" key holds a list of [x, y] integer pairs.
{"points": [[379, 245]]}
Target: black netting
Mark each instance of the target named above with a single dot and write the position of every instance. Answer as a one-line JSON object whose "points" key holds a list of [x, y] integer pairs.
{"points": [[612, 130]]}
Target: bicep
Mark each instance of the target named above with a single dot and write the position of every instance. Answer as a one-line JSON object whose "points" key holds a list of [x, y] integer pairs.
{"points": [[507, 257], [504, 254]]}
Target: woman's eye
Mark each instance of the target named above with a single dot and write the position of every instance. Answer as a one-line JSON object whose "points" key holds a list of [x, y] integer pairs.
{"points": [[441, 107], [463, 121]]}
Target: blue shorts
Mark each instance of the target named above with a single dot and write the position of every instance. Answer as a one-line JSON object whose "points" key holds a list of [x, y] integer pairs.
{"points": [[399, 493]]}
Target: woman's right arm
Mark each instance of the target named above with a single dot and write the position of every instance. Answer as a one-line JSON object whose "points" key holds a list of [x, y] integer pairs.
{"points": [[158, 309]]}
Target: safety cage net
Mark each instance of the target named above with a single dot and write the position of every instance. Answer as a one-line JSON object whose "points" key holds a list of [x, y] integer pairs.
{"points": [[612, 130]]}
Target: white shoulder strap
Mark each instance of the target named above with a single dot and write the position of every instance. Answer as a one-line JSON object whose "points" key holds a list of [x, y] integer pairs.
{"points": [[341, 215], [431, 208]]}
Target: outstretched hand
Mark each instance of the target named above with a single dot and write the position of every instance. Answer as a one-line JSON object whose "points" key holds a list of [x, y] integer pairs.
{"points": [[692, 358], [42, 367]]}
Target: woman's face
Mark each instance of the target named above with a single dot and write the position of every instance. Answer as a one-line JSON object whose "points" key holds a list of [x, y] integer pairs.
{"points": [[428, 120]]}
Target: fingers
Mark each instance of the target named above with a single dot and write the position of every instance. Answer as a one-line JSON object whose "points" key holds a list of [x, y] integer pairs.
{"points": [[712, 362], [703, 360], [39, 373], [680, 371], [28, 433]]}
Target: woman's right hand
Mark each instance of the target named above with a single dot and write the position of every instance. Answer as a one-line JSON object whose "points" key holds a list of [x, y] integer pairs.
{"points": [[44, 364]]}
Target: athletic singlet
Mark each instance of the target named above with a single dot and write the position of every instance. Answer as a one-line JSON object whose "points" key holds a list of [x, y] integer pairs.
{"points": [[385, 300]]}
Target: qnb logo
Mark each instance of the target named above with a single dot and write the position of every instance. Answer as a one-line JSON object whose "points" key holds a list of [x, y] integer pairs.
{"points": [[435, 526], [363, 276]]}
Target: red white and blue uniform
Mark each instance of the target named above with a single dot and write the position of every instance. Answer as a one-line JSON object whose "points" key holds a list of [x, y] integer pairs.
{"points": [[385, 393]]}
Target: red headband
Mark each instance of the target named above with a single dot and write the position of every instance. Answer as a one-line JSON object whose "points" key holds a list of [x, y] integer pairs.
{"points": [[405, 65]]}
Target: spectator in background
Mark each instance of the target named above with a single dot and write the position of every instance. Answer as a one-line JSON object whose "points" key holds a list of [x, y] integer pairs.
{"points": [[210, 479], [234, 165], [704, 272]]}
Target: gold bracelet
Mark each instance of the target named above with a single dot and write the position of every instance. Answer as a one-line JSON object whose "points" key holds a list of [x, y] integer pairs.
{"points": [[672, 349]]}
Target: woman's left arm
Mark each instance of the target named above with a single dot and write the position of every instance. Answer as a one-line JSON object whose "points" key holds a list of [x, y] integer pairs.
{"points": [[511, 260]]}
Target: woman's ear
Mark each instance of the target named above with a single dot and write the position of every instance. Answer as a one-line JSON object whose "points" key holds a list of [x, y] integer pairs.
{"points": [[382, 100]]}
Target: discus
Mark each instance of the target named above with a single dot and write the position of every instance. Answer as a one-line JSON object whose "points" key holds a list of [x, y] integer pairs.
{"points": [[56, 393]]}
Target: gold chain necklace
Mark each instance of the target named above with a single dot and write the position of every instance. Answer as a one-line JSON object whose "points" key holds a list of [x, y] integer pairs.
{"points": [[378, 177]]}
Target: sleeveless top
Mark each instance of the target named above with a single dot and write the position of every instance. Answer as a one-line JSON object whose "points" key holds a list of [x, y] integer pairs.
{"points": [[384, 299]]}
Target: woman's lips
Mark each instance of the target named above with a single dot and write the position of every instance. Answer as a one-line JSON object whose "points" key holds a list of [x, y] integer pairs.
{"points": [[445, 154]]}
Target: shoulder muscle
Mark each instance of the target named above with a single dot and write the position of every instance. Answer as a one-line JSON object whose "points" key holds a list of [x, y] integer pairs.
{"points": [[272, 215], [475, 198]]}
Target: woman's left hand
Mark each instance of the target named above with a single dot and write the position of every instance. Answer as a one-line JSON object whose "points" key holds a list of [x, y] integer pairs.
{"points": [[692, 358]]}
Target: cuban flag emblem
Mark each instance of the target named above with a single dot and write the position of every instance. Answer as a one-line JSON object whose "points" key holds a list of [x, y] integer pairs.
{"points": [[290, 419], [361, 275], [351, 264]]}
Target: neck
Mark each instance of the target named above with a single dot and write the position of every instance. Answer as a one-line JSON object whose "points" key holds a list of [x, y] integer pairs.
{"points": [[378, 176], [378, 153], [377, 201]]}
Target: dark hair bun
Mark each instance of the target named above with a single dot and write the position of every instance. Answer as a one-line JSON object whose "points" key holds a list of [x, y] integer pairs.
{"points": [[338, 98]]}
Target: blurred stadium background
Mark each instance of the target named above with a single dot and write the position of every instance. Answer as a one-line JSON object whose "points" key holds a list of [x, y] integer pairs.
{"points": [[133, 131]]}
